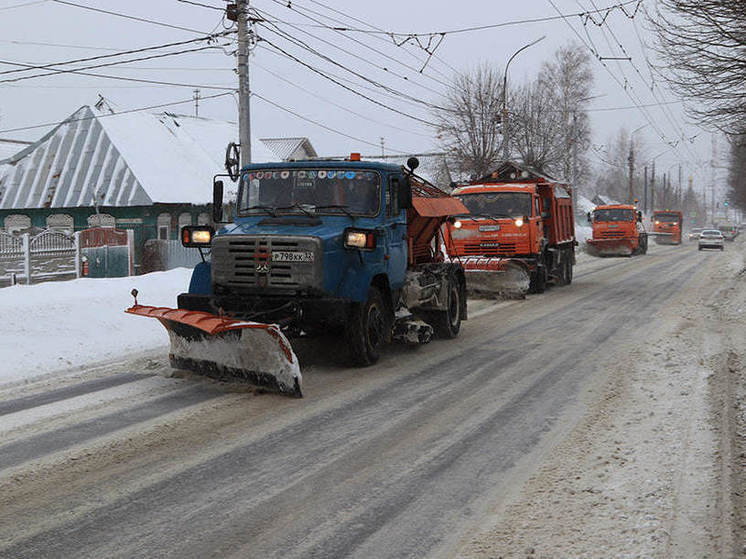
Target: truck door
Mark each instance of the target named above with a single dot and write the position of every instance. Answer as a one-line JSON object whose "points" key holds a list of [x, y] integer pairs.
{"points": [[395, 235]]}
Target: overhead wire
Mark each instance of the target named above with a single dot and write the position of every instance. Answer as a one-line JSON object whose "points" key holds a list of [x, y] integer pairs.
{"points": [[121, 53], [329, 101], [127, 16], [321, 125], [53, 72], [105, 115]]}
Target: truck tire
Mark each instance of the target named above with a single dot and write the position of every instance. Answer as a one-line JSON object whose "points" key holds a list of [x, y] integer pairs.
{"points": [[538, 280], [447, 324], [568, 275], [368, 328], [643, 244]]}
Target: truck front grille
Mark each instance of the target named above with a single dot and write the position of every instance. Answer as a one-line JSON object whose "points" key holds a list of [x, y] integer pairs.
{"points": [[244, 262], [476, 249], [612, 234]]}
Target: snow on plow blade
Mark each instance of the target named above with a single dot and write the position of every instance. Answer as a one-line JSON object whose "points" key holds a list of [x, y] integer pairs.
{"points": [[609, 247], [496, 277], [229, 349]]}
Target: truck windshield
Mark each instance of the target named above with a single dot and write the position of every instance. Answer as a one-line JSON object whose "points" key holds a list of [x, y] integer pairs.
{"points": [[323, 191], [668, 218], [498, 204], [614, 215]]}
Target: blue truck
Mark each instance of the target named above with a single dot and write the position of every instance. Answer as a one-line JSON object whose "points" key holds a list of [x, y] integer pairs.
{"points": [[347, 247]]}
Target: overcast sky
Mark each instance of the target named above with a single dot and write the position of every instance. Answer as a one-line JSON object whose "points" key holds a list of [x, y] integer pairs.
{"points": [[38, 32]]}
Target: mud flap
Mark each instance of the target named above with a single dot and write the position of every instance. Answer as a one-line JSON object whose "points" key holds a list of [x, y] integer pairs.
{"points": [[229, 349], [496, 278]]}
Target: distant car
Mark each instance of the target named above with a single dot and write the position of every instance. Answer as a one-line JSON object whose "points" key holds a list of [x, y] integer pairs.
{"points": [[711, 238], [694, 233]]}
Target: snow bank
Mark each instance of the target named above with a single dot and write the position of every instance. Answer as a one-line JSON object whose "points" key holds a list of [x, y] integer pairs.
{"points": [[58, 325]]}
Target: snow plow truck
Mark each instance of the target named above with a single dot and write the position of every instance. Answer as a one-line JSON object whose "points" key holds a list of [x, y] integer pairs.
{"points": [[321, 246], [519, 234], [617, 231], [667, 227]]}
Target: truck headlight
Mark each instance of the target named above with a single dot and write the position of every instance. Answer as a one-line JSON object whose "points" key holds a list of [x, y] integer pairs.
{"points": [[519, 222], [457, 224], [364, 240], [197, 235]]}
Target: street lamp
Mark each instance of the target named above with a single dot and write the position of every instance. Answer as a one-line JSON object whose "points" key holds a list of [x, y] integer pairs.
{"points": [[506, 139]]}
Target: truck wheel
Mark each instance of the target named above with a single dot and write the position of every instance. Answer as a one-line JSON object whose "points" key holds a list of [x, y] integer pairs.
{"points": [[538, 280], [447, 324], [568, 275], [644, 247], [368, 328]]}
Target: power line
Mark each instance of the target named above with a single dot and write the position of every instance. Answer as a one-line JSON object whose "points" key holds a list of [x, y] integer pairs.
{"points": [[120, 53], [324, 126], [105, 115], [23, 5], [201, 5], [356, 56], [107, 64], [126, 16], [322, 98], [40, 44], [350, 89]]}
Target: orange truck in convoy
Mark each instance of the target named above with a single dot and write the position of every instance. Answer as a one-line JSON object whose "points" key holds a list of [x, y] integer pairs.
{"points": [[519, 235], [667, 227], [617, 231]]}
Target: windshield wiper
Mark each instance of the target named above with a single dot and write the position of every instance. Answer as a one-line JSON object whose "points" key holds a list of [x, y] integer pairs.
{"points": [[267, 209], [339, 206], [298, 207]]}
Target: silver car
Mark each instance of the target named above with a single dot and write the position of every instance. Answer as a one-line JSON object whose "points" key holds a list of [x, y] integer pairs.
{"points": [[711, 238]]}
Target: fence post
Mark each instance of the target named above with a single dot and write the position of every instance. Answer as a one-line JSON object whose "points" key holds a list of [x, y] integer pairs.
{"points": [[131, 250], [26, 247], [76, 242]]}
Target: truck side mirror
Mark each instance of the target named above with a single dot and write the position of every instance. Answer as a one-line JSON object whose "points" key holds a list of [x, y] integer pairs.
{"points": [[403, 193], [590, 218], [217, 201], [639, 216]]}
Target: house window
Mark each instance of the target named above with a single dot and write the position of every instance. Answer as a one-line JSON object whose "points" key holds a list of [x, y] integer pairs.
{"points": [[17, 222], [185, 219], [101, 220], [164, 226]]}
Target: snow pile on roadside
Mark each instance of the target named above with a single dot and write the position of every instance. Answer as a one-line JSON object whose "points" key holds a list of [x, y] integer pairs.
{"points": [[59, 325]]}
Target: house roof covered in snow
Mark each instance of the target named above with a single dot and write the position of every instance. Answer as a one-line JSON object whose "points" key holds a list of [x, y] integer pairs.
{"points": [[289, 148], [121, 159]]}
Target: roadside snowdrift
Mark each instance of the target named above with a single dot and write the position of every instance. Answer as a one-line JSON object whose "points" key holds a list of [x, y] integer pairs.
{"points": [[59, 325]]}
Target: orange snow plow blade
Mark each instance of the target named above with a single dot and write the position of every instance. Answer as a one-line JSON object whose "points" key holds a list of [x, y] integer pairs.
{"points": [[610, 247], [228, 349], [495, 277]]}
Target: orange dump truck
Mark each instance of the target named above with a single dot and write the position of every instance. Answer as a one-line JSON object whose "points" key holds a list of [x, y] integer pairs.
{"points": [[667, 227], [519, 235], [617, 231]]}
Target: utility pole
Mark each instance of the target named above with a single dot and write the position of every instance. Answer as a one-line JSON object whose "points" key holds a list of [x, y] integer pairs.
{"points": [[712, 178], [652, 188], [574, 169], [196, 102], [645, 191], [679, 197], [244, 89], [383, 152], [631, 161]]}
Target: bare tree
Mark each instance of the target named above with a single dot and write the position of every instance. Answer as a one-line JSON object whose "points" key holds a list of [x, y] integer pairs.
{"points": [[568, 79], [703, 43], [737, 171], [612, 178], [536, 127], [469, 122]]}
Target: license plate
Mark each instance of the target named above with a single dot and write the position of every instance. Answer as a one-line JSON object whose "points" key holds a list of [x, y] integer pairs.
{"points": [[292, 256], [487, 228]]}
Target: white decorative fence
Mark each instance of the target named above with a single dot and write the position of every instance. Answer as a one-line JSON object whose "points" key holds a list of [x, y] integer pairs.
{"points": [[48, 255]]}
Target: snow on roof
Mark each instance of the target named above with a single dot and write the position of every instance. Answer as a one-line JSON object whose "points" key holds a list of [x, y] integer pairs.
{"points": [[289, 148], [121, 159]]}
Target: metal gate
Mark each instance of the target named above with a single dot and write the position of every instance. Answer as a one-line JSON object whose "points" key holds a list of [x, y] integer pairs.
{"points": [[107, 252]]}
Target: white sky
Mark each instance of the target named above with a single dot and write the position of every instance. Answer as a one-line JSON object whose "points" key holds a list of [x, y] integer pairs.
{"points": [[52, 98]]}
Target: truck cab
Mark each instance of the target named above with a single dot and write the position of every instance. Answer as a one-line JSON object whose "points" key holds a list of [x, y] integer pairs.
{"points": [[325, 246], [667, 226], [617, 230]]}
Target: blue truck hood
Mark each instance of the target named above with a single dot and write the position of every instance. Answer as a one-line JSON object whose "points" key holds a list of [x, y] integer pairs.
{"points": [[330, 227]]}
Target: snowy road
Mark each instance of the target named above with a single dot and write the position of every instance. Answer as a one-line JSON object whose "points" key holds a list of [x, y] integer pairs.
{"points": [[403, 459]]}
